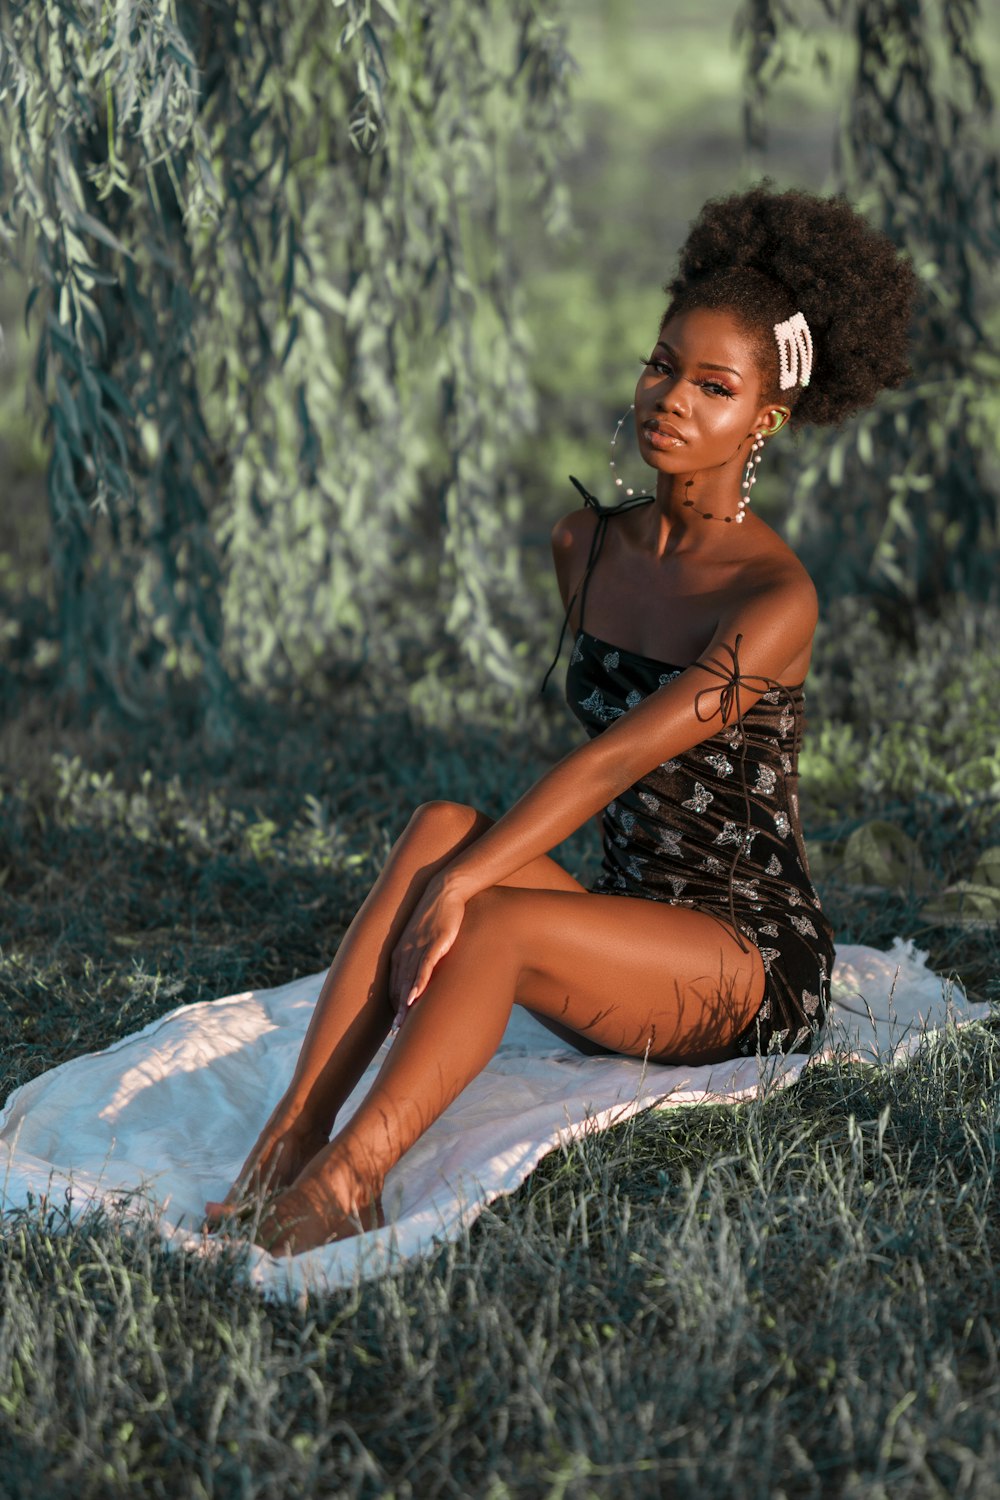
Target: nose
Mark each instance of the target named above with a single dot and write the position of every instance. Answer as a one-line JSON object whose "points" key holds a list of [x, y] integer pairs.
{"points": [[672, 396]]}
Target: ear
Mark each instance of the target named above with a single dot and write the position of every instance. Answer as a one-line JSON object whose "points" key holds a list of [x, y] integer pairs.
{"points": [[773, 419]]}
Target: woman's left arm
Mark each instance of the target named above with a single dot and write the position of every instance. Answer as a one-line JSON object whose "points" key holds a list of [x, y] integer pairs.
{"points": [[763, 633]]}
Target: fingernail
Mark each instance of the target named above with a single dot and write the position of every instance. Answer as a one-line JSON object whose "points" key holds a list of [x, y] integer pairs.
{"points": [[411, 997]]}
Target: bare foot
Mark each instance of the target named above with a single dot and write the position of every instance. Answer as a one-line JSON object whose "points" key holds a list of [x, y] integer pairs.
{"points": [[272, 1166], [306, 1216]]}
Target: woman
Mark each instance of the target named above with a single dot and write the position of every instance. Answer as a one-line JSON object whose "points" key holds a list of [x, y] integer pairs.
{"points": [[703, 938]]}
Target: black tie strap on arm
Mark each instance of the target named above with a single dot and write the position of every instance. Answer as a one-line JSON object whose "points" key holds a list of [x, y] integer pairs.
{"points": [[596, 543], [733, 680]]}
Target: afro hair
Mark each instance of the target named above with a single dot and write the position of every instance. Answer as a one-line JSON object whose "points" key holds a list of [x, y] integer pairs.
{"points": [[766, 255]]}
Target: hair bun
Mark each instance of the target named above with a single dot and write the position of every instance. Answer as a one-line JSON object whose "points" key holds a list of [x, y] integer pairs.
{"points": [[768, 255]]}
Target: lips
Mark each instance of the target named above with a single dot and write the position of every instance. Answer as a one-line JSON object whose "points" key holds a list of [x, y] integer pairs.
{"points": [[664, 428], [662, 435]]}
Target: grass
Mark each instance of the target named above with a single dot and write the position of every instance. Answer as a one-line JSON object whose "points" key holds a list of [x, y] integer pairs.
{"points": [[792, 1297], [795, 1296]]}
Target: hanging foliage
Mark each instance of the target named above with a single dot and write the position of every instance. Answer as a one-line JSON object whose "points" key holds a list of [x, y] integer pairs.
{"points": [[280, 348], [903, 500]]}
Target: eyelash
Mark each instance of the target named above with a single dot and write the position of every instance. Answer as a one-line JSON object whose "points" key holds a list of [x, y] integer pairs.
{"points": [[719, 388]]}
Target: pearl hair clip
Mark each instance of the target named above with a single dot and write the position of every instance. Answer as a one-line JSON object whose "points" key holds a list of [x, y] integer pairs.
{"points": [[795, 350]]}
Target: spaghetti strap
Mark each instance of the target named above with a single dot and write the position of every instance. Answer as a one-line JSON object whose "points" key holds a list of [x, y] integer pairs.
{"points": [[604, 513]]}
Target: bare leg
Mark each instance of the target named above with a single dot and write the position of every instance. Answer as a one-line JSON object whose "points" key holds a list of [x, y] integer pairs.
{"points": [[633, 976], [353, 1013]]}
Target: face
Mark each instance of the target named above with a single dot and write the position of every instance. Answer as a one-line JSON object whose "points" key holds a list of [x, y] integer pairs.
{"points": [[698, 401]]}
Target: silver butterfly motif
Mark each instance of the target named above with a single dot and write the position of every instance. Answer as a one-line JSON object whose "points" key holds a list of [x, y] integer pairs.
{"points": [[772, 696], [786, 764], [649, 801], [577, 653], [810, 1003], [666, 677], [677, 884], [670, 843], [766, 780], [770, 928], [769, 955], [627, 820], [700, 800], [712, 865], [792, 897], [634, 868], [611, 660], [669, 765], [803, 925], [745, 888], [785, 723], [774, 865], [596, 705], [732, 833], [633, 698], [720, 764], [782, 824], [610, 809]]}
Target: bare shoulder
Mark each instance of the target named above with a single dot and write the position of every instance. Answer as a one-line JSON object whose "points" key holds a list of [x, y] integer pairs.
{"points": [[775, 608], [776, 572], [571, 538], [572, 531]]}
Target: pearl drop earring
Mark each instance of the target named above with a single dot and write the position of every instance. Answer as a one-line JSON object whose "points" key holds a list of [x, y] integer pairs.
{"points": [[750, 474]]}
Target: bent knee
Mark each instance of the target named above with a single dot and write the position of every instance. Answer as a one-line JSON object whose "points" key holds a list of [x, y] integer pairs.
{"points": [[446, 823]]}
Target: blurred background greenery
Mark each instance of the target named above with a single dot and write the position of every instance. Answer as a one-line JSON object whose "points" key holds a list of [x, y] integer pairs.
{"points": [[655, 129], [400, 549]]}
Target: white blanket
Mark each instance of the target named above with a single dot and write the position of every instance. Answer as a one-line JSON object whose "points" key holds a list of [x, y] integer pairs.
{"points": [[170, 1113]]}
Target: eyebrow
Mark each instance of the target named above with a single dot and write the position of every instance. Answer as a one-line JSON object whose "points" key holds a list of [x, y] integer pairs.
{"points": [[702, 366]]}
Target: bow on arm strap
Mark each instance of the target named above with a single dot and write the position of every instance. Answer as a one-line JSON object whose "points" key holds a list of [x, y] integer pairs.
{"points": [[732, 680], [604, 512]]}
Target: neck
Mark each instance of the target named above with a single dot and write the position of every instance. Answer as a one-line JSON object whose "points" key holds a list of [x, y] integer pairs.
{"points": [[691, 509]]}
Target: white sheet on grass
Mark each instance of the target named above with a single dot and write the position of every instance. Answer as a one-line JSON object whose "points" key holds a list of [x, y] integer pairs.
{"points": [[171, 1111]]}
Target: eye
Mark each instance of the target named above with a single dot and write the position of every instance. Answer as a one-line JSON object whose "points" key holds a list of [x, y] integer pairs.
{"points": [[664, 367]]}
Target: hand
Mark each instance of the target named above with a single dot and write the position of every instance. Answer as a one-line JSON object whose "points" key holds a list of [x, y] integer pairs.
{"points": [[427, 937]]}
